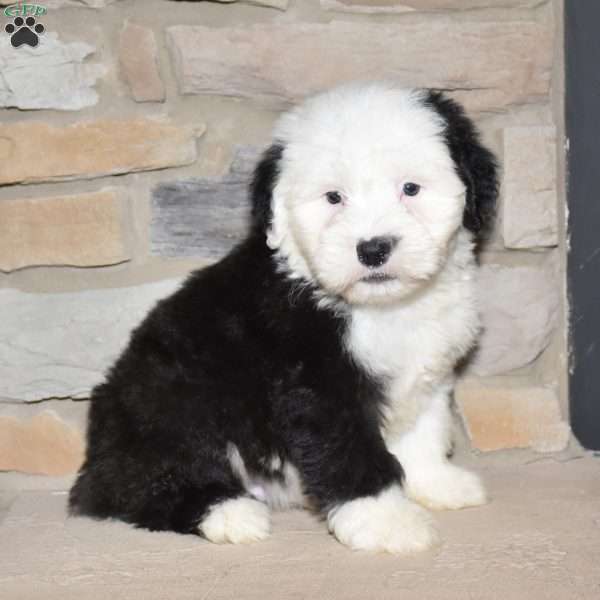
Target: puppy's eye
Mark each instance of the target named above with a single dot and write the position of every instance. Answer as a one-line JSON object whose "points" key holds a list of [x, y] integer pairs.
{"points": [[411, 189], [333, 197]]}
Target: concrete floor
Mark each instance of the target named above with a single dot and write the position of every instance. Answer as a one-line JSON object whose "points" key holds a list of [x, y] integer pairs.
{"points": [[539, 538]]}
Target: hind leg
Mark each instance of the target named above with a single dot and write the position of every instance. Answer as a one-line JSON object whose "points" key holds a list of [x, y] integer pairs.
{"points": [[215, 507], [222, 513], [239, 520]]}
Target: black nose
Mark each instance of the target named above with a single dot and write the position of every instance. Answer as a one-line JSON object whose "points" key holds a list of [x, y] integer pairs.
{"points": [[376, 251]]}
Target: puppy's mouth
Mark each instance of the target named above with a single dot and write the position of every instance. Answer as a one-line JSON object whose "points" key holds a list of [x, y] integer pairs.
{"points": [[375, 278]]}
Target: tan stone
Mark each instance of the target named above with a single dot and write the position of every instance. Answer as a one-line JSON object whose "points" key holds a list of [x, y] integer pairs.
{"points": [[81, 230], [41, 445], [529, 205], [487, 65], [511, 415], [400, 6], [138, 55], [36, 151]]}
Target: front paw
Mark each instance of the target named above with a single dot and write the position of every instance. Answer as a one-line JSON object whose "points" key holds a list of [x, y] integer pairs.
{"points": [[388, 522], [445, 487], [237, 521]]}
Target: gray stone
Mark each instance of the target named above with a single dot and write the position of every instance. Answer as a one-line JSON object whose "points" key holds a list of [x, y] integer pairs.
{"points": [[54, 75], [529, 205], [487, 65], [519, 307], [60, 3], [403, 6], [203, 217], [60, 345]]}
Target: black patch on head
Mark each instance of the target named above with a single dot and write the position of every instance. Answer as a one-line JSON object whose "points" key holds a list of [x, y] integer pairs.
{"points": [[475, 164], [261, 188]]}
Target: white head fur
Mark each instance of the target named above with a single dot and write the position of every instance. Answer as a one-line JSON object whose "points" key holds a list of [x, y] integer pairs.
{"points": [[365, 143]]}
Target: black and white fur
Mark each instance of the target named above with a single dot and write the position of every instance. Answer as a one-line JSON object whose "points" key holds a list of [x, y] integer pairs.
{"points": [[305, 368]]}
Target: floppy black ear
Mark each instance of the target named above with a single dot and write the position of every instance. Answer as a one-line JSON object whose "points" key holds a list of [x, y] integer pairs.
{"points": [[475, 164], [261, 188]]}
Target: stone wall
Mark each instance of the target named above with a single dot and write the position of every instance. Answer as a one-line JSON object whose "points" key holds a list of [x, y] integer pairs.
{"points": [[126, 140]]}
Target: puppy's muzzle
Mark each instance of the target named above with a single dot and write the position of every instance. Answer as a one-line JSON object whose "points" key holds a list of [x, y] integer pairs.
{"points": [[376, 251]]}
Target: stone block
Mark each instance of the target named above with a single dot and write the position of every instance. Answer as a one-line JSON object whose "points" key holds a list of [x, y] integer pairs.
{"points": [[519, 307], [42, 439], [529, 218], [35, 151], [53, 75], [203, 217], [59, 345], [403, 6], [486, 65], [80, 230], [280, 4], [508, 414], [68, 3], [138, 56]]}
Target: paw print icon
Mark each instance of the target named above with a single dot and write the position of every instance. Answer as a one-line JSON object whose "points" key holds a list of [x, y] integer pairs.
{"points": [[24, 31]]}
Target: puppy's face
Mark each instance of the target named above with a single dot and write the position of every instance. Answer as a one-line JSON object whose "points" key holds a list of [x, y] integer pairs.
{"points": [[368, 197]]}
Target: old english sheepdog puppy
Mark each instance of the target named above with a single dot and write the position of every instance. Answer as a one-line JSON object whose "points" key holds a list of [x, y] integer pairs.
{"points": [[314, 364]]}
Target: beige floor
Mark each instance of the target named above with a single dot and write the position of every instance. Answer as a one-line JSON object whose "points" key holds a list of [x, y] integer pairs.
{"points": [[539, 538]]}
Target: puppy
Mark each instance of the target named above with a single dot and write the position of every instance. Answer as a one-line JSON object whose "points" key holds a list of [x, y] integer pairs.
{"points": [[314, 364]]}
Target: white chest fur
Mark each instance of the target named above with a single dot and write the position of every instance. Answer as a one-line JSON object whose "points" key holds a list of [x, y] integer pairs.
{"points": [[415, 344]]}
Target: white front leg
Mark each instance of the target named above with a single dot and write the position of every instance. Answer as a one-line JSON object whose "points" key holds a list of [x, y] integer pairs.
{"points": [[388, 522], [431, 480]]}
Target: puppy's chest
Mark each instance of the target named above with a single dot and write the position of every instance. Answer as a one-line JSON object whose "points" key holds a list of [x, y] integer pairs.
{"points": [[391, 345], [412, 349]]}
